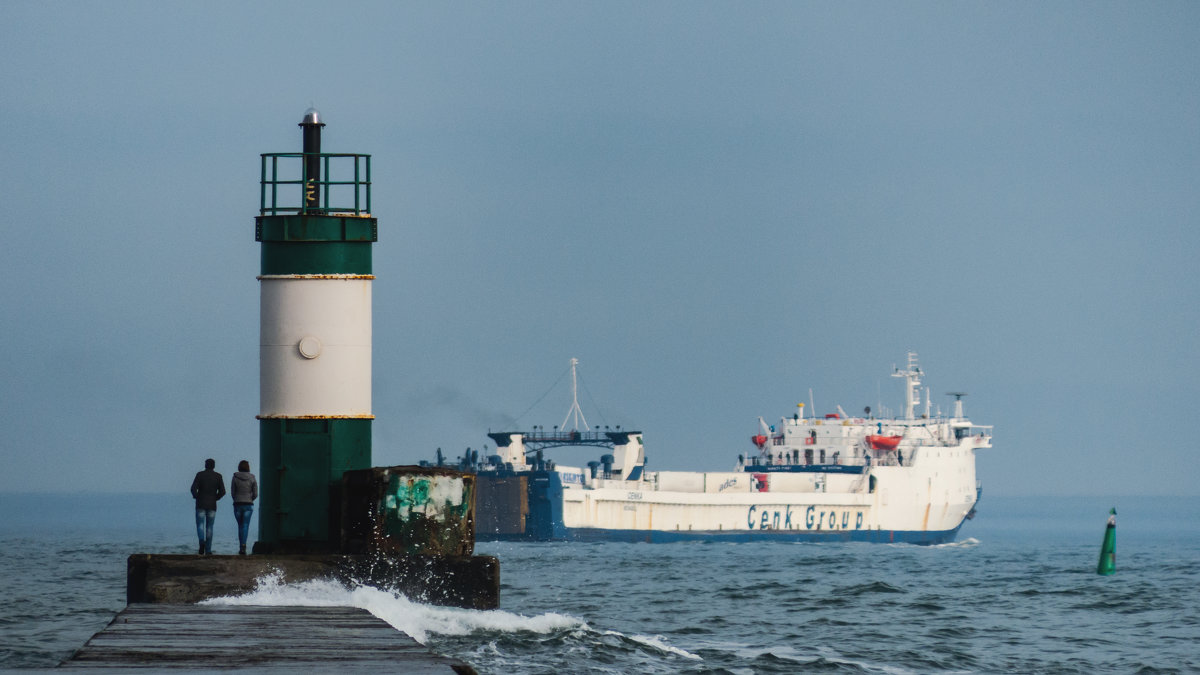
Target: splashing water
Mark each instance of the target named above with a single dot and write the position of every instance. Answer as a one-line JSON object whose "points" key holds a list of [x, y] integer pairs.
{"points": [[496, 638], [416, 620]]}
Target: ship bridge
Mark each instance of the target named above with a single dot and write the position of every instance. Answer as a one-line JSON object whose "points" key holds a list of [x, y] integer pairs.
{"points": [[523, 450], [562, 436], [544, 440]]}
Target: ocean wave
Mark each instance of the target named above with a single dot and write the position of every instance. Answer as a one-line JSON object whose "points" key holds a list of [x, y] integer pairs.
{"points": [[784, 658], [1032, 592], [872, 587], [969, 542], [659, 643]]}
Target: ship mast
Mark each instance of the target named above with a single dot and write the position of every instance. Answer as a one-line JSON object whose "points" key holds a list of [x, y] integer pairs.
{"points": [[912, 391], [958, 407], [575, 410]]}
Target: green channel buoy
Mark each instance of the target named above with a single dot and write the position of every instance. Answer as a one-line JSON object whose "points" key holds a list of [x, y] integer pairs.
{"points": [[1108, 550]]}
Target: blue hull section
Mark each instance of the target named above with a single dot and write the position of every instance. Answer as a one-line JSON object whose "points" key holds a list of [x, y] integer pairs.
{"points": [[669, 536]]}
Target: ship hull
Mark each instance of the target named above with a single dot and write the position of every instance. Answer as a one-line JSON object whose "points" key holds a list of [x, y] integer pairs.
{"points": [[813, 479], [552, 506]]}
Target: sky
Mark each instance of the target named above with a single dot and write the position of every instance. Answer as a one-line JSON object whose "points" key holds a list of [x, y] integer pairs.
{"points": [[715, 207]]}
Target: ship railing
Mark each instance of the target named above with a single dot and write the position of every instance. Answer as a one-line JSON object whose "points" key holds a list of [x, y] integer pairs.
{"points": [[841, 460], [883, 458], [931, 434], [564, 436], [944, 435]]}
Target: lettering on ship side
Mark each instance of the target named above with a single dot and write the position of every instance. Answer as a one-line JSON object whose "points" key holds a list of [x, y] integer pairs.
{"points": [[780, 518]]}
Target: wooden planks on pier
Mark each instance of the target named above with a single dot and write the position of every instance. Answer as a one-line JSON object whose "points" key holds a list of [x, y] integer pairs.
{"points": [[207, 637]]}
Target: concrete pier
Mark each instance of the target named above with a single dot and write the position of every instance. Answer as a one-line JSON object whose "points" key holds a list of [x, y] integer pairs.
{"points": [[407, 529], [301, 639], [458, 581]]}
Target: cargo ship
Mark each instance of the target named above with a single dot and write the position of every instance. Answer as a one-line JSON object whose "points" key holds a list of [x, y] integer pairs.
{"points": [[832, 477]]}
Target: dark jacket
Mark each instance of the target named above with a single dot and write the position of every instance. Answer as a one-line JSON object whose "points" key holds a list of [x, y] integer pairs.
{"points": [[207, 488], [243, 488]]}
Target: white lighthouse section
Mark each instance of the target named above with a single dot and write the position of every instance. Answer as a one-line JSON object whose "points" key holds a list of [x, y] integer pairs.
{"points": [[315, 347]]}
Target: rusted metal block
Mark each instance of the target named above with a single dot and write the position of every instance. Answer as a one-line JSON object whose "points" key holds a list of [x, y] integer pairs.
{"points": [[503, 504], [408, 510]]}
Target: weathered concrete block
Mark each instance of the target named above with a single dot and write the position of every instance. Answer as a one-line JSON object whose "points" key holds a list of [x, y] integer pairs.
{"points": [[457, 581]]}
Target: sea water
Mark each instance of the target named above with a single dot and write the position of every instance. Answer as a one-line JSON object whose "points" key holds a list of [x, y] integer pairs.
{"points": [[1017, 592]]}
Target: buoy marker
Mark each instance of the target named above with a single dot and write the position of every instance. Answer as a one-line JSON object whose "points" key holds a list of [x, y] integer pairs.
{"points": [[1108, 549]]}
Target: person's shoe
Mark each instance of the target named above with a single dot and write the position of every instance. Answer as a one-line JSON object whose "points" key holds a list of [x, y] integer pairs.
{"points": [[242, 550], [201, 550]]}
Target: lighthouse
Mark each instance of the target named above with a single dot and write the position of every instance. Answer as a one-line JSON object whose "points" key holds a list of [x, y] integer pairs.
{"points": [[316, 230], [324, 511]]}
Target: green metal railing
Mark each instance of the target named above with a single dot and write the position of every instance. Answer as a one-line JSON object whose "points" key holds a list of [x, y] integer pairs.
{"points": [[269, 198]]}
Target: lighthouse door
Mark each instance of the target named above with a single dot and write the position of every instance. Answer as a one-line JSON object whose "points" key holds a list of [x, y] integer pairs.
{"points": [[304, 466]]}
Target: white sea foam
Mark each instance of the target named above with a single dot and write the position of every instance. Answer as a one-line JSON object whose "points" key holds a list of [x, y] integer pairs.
{"points": [[415, 619], [965, 543], [969, 542], [786, 652], [833, 657], [657, 642]]}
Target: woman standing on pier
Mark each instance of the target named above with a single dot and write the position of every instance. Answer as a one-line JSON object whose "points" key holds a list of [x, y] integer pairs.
{"points": [[244, 489]]}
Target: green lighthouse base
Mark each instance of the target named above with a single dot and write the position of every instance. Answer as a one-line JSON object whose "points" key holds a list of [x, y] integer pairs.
{"points": [[302, 462]]}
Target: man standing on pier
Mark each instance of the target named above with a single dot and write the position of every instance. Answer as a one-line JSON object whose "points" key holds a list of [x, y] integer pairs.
{"points": [[207, 488]]}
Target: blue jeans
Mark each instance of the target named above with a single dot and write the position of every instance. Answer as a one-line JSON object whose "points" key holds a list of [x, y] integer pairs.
{"points": [[242, 513], [204, 524]]}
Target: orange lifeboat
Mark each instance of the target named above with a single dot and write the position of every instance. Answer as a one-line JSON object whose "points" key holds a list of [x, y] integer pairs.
{"points": [[759, 440], [883, 442]]}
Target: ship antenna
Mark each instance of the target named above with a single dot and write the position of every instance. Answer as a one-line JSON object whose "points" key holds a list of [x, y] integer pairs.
{"points": [[575, 410]]}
